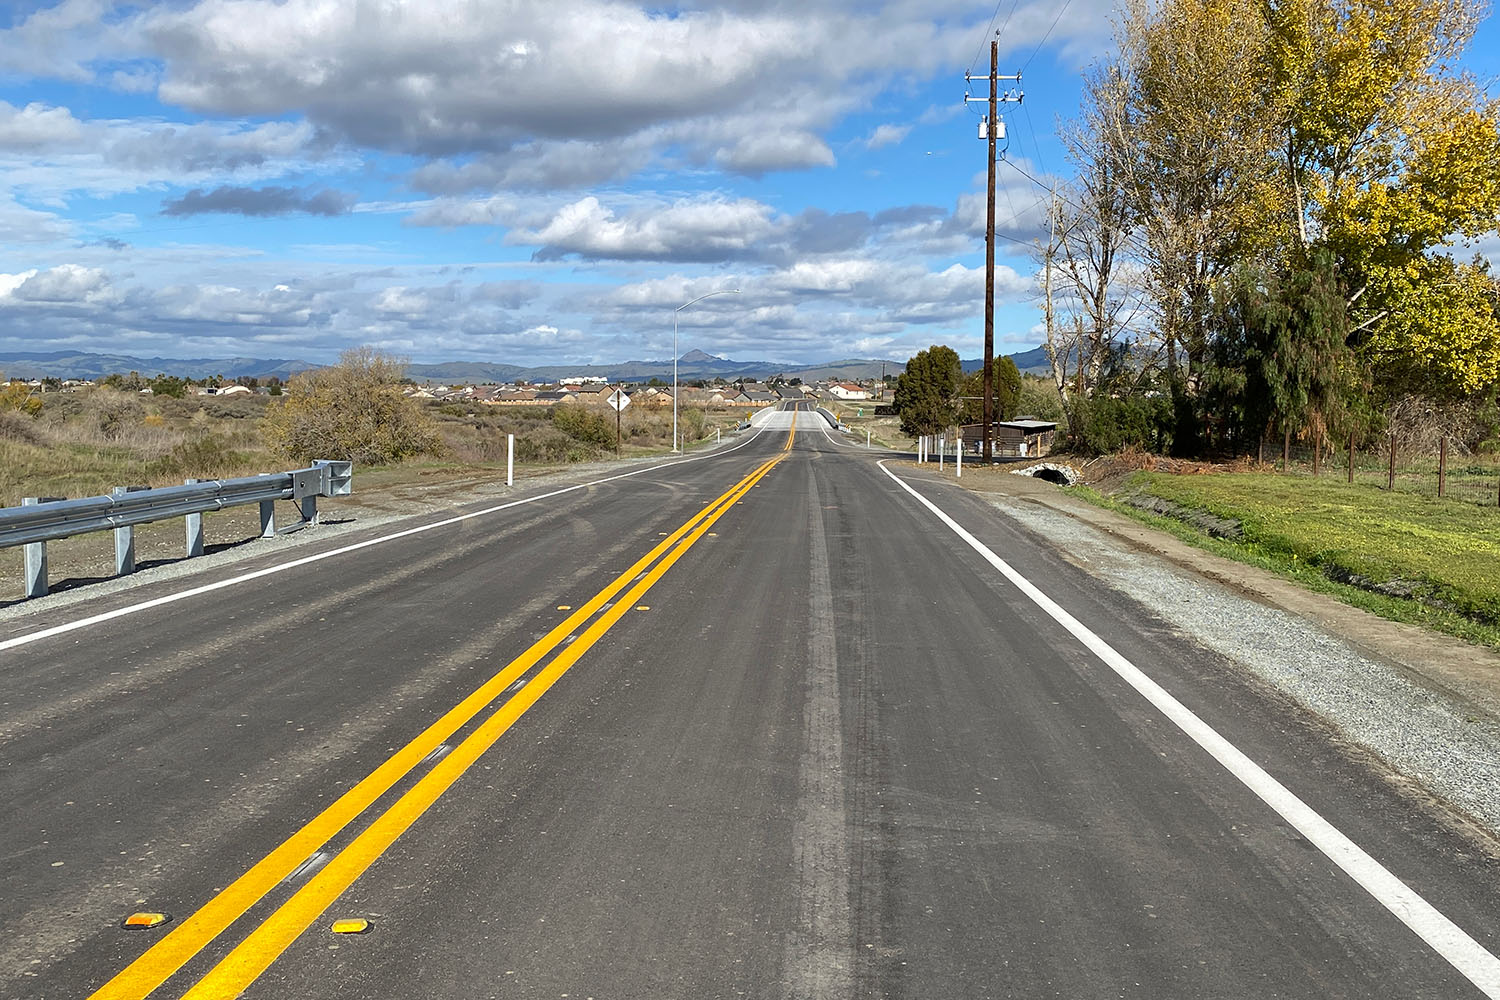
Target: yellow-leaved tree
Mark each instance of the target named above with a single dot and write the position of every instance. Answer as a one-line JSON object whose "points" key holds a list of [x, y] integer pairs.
{"points": [[1392, 155]]}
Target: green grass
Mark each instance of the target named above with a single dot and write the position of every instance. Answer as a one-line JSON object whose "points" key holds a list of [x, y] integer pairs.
{"points": [[1320, 531]]}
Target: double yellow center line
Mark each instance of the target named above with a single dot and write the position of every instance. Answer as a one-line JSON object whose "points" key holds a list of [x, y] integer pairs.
{"points": [[253, 955]]}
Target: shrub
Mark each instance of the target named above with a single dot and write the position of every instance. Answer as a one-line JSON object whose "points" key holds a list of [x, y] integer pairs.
{"points": [[16, 426], [112, 412], [206, 457], [354, 411], [582, 424]]}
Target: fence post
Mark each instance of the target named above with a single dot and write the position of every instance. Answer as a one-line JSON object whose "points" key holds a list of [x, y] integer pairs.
{"points": [[36, 560], [1390, 480], [1286, 452], [1351, 456], [124, 542], [1317, 450], [194, 524], [1442, 465]]}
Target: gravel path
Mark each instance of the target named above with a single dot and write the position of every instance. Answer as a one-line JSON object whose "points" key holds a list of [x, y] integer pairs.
{"points": [[1445, 742]]}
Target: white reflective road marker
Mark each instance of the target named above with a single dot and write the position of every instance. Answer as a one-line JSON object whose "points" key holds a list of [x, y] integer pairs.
{"points": [[1445, 937]]}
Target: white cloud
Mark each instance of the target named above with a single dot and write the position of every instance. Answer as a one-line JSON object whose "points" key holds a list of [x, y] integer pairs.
{"points": [[887, 135], [699, 229]]}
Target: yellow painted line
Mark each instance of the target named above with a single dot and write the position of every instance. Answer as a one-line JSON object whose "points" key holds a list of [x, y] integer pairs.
{"points": [[264, 945], [193, 933]]}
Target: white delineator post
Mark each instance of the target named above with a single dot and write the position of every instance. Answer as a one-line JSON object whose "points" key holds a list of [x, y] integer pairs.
{"points": [[958, 456], [510, 460], [942, 444]]}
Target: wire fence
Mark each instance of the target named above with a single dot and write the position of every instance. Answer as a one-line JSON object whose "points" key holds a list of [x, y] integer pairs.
{"points": [[1443, 468]]}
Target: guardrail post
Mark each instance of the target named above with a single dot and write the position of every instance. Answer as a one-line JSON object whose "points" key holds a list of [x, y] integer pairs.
{"points": [[268, 519], [309, 507], [36, 560], [124, 541], [194, 529]]}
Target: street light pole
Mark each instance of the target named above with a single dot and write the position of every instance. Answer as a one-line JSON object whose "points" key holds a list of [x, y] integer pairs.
{"points": [[675, 312]]}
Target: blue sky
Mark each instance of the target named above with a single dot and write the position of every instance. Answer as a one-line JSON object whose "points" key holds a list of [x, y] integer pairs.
{"points": [[522, 182]]}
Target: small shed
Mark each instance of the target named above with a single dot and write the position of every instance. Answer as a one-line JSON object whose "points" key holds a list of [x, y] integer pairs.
{"points": [[1023, 437]]}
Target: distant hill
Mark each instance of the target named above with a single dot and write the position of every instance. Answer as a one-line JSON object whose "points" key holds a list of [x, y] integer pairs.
{"points": [[80, 365], [1032, 362], [693, 365]]}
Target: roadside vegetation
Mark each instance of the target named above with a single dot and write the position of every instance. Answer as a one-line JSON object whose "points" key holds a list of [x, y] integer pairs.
{"points": [[1405, 556], [75, 444]]}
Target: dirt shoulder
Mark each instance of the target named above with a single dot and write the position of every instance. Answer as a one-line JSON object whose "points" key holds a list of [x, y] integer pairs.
{"points": [[1430, 659]]}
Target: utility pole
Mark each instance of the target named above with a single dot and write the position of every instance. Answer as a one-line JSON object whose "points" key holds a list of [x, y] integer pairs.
{"points": [[993, 127]]}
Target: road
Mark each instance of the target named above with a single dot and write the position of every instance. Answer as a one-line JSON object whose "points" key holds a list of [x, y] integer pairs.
{"points": [[759, 723]]}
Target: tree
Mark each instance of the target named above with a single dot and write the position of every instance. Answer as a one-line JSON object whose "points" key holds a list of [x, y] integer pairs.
{"points": [[1389, 155], [1006, 378], [18, 397], [1283, 359], [926, 393], [1200, 173], [1094, 222], [353, 410]]}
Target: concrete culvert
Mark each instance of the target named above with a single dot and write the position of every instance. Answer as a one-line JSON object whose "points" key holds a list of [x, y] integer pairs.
{"points": [[1062, 475]]}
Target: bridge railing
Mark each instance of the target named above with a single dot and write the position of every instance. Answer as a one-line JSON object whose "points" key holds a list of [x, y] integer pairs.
{"points": [[40, 520]]}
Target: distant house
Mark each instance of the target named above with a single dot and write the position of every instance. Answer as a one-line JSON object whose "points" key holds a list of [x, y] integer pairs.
{"points": [[513, 397], [760, 399], [553, 397], [848, 390]]}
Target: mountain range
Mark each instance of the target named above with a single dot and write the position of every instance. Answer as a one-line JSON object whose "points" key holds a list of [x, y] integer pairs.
{"points": [[694, 364]]}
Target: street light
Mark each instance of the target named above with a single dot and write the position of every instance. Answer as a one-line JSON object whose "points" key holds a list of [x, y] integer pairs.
{"points": [[722, 291]]}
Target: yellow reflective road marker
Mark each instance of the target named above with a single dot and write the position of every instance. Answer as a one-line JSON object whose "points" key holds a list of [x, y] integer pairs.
{"points": [[195, 931], [254, 955], [351, 925], [144, 921]]}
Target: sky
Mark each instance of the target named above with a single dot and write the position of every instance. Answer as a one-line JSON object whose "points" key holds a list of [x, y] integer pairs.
{"points": [[524, 182]]}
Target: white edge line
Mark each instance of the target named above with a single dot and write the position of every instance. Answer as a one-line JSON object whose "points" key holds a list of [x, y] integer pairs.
{"points": [[1445, 937], [73, 626]]}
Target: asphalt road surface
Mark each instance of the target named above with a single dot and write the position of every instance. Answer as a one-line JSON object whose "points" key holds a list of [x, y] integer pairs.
{"points": [[790, 720]]}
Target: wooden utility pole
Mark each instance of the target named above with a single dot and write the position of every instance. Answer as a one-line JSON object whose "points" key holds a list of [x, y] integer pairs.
{"points": [[993, 129], [989, 258]]}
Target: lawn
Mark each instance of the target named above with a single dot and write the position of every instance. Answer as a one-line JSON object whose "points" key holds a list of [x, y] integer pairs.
{"points": [[1411, 557]]}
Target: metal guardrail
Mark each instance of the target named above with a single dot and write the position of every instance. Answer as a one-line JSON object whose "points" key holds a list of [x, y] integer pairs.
{"points": [[40, 520]]}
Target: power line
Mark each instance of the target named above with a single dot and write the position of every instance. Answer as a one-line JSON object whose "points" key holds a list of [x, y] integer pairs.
{"points": [[980, 50], [1048, 35]]}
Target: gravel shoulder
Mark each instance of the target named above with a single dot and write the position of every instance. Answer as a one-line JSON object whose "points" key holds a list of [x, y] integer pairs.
{"points": [[1427, 704]]}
